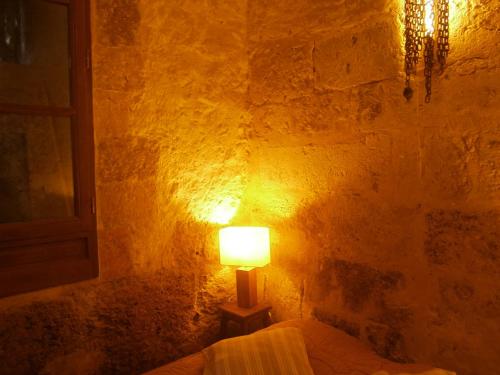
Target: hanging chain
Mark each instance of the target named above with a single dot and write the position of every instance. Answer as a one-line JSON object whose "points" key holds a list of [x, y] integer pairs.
{"points": [[416, 40], [429, 47], [429, 62], [414, 31], [443, 32]]}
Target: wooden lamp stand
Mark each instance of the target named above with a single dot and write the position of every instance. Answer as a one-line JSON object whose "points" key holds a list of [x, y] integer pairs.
{"points": [[246, 286]]}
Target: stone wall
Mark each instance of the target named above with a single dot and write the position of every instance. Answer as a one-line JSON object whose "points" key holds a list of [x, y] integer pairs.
{"points": [[170, 79], [384, 214]]}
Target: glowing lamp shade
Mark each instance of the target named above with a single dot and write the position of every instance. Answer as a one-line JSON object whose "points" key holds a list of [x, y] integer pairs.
{"points": [[244, 246]]}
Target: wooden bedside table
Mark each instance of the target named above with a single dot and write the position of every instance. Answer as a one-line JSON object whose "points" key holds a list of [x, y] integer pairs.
{"points": [[249, 320]]}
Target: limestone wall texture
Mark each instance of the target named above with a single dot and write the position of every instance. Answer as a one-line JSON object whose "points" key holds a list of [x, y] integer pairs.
{"points": [[383, 214], [386, 213], [170, 82]]}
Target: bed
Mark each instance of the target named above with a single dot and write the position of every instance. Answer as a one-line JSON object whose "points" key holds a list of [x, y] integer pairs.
{"points": [[330, 352]]}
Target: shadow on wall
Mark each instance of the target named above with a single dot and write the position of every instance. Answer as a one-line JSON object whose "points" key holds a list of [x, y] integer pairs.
{"points": [[316, 271], [402, 281]]}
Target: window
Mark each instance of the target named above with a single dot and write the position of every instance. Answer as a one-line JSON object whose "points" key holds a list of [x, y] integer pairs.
{"points": [[47, 204]]}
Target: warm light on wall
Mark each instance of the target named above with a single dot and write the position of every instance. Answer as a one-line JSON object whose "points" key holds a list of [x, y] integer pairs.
{"points": [[216, 210], [211, 206], [223, 212], [420, 32]]}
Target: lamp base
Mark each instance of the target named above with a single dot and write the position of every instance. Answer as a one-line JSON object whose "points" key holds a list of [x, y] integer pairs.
{"points": [[246, 286]]}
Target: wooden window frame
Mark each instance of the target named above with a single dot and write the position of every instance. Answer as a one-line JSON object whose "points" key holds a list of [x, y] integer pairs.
{"points": [[43, 253]]}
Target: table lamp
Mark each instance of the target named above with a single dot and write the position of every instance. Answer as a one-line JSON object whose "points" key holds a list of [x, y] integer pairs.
{"points": [[247, 247]]}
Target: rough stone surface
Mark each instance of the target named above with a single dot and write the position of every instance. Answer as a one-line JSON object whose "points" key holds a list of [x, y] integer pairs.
{"points": [[341, 62], [169, 98], [384, 214], [127, 325]]}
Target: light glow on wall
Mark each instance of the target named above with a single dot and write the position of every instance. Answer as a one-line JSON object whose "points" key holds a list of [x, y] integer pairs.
{"points": [[224, 211], [219, 209], [458, 18]]}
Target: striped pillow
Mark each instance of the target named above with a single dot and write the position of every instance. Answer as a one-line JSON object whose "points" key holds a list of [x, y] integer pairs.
{"points": [[271, 352]]}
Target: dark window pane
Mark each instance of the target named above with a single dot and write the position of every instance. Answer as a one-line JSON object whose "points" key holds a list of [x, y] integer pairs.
{"points": [[36, 168], [34, 53]]}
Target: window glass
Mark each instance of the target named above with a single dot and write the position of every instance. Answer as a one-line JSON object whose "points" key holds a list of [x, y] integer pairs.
{"points": [[34, 53], [36, 168]]}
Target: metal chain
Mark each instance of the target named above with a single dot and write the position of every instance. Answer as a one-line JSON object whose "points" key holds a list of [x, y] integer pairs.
{"points": [[443, 46], [429, 62], [414, 32], [415, 39]]}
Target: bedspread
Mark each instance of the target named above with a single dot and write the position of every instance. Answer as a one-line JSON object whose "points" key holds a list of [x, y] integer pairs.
{"points": [[330, 351]]}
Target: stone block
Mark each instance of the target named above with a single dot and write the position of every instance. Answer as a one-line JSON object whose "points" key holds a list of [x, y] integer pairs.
{"points": [[280, 71], [447, 168], [464, 94], [357, 57], [280, 18], [463, 240], [361, 286], [126, 204], [361, 283], [117, 22], [371, 102], [118, 68], [125, 157], [319, 120], [489, 164], [115, 250], [114, 111]]}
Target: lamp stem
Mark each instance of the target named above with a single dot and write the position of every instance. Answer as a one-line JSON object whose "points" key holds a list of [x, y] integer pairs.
{"points": [[246, 286]]}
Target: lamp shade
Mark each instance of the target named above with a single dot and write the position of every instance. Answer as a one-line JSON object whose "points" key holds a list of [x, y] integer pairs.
{"points": [[244, 246]]}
